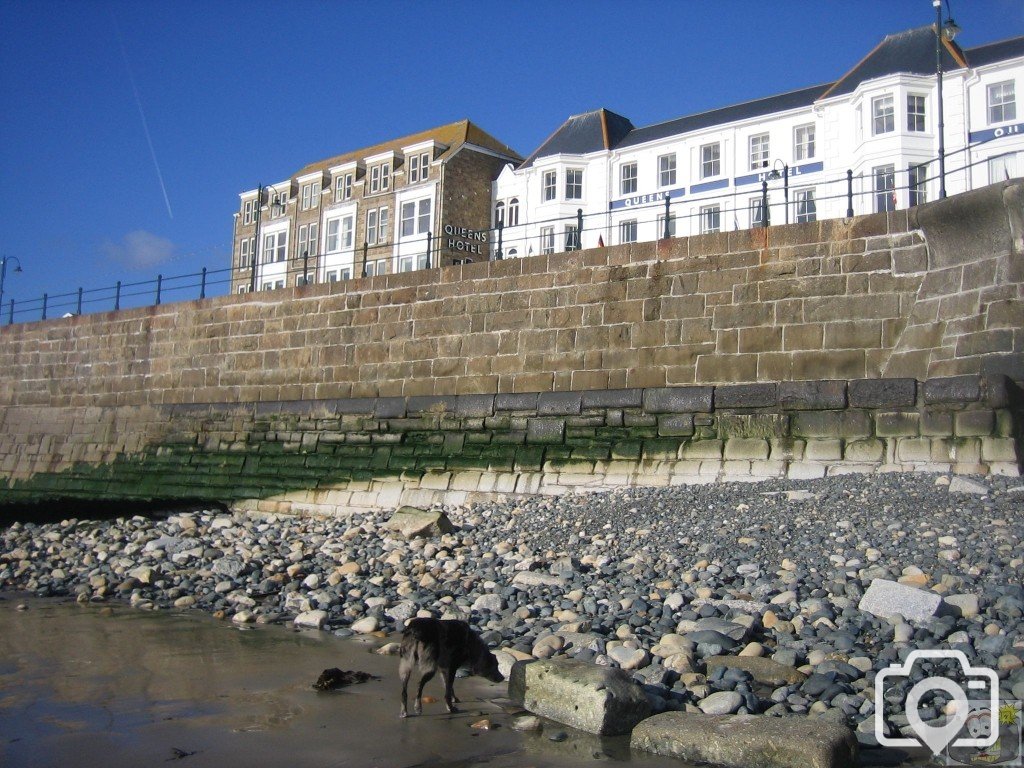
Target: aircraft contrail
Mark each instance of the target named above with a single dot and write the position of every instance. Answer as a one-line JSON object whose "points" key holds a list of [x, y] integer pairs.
{"points": [[142, 114]]}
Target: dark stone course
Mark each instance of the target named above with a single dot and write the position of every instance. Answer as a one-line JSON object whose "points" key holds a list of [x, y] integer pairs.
{"points": [[678, 399], [882, 393], [559, 403], [613, 398], [389, 407], [952, 390], [812, 395], [526, 401], [746, 396]]}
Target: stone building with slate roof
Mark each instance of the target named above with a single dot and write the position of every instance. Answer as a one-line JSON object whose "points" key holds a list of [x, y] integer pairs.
{"points": [[372, 211], [703, 173]]}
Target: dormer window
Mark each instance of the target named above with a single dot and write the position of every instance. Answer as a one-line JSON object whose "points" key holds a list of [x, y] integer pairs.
{"points": [[419, 167], [380, 178], [343, 187], [310, 195]]}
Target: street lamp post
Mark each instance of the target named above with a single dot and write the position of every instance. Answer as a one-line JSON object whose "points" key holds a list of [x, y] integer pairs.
{"points": [[774, 174], [949, 30], [3, 273]]}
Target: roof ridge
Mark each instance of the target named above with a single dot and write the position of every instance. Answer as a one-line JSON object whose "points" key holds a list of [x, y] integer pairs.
{"points": [[729, 106]]}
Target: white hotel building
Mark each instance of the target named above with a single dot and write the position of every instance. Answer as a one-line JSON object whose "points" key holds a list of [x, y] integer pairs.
{"points": [[879, 122]]}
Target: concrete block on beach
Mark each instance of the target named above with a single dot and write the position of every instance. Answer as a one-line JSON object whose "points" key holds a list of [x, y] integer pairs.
{"points": [[886, 598], [747, 741], [411, 522], [585, 696]]}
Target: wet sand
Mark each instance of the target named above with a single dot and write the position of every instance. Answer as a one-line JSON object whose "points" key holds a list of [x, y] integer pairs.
{"points": [[108, 685]]}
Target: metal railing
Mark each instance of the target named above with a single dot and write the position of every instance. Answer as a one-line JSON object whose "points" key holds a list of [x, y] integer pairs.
{"points": [[858, 193]]}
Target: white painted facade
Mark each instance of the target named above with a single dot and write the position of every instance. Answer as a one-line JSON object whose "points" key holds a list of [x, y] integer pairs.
{"points": [[881, 130]]}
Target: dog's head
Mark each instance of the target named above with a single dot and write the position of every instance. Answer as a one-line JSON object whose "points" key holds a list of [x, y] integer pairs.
{"points": [[486, 666]]}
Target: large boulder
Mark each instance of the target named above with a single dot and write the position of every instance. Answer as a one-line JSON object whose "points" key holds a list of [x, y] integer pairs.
{"points": [[748, 741], [594, 699], [411, 522], [885, 598]]}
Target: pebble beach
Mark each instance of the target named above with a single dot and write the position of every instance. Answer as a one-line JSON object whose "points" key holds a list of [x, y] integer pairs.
{"points": [[726, 598]]}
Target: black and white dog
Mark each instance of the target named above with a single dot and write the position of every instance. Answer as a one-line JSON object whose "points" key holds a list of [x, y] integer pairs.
{"points": [[435, 644]]}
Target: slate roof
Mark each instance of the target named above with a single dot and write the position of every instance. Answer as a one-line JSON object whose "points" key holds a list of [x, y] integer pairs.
{"points": [[452, 135], [804, 97], [910, 52], [580, 134], [999, 51]]}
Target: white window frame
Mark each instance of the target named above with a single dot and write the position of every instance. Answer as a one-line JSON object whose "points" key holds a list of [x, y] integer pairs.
{"points": [[710, 219], [343, 187], [275, 247], [1001, 101], [419, 167], [573, 183], [348, 231], [380, 178], [883, 114], [499, 214], [917, 184], [332, 235], [711, 160], [572, 237], [512, 213], [249, 212], [757, 211], [278, 205], [377, 225], [627, 178], [917, 113], [627, 231], [804, 142], [310, 195], [549, 186], [547, 240], [667, 170], [760, 151], [806, 204], [883, 185]]}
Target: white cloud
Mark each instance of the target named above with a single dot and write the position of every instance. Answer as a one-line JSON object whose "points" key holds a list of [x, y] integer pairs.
{"points": [[140, 250]]}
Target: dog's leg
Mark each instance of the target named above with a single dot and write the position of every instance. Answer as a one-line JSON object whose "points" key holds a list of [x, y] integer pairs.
{"points": [[418, 705], [404, 672], [449, 689]]}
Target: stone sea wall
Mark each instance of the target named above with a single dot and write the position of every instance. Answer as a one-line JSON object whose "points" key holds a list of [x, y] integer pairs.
{"points": [[320, 457], [884, 342]]}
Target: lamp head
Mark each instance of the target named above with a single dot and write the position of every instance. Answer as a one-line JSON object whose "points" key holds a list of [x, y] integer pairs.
{"points": [[950, 29]]}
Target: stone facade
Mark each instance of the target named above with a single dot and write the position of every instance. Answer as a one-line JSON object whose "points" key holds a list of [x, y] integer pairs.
{"points": [[886, 342], [462, 161]]}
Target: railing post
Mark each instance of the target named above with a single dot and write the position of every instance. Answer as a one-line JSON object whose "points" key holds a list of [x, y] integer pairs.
{"points": [[498, 255], [430, 242], [117, 296], [78, 311], [579, 229], [665, 234], [765, 216], [202, 285], [849, 194], [159, 284], [366, 248], [44, 306]]}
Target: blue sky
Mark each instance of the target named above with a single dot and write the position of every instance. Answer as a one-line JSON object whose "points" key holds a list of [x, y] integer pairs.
{"points": [[129, 128]]}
